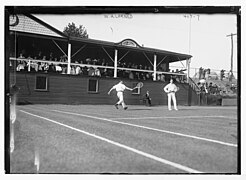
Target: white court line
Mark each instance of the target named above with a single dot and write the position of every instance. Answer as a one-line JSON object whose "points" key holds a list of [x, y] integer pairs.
{"points": [[164, 161], [176, 117], [149, 128]]}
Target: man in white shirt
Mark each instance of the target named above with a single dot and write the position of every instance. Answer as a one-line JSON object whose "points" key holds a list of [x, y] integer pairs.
{"points": [[171, 89], [120, 88]]}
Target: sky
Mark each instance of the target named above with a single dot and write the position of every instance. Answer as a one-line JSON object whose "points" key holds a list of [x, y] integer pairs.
{"points": [[203, 36]]}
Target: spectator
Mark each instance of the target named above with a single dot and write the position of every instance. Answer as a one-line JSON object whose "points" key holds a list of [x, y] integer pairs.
{"points": [[85, 70], [64, 69], [78, 70], [131, 75], [40, 55], [58, 68], [230, 75], [21, 56], [94, 61], [51, 56], [97, 72], [163, 77], [72, 70], [52, 68], [200, 72], [210, 88], [91, 71], [21, 66], [222, 74]]}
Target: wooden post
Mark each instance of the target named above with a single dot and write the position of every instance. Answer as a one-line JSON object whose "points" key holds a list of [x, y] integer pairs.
{"points": [[69, 58], [188, 69], [115, 62], [154, 75]]}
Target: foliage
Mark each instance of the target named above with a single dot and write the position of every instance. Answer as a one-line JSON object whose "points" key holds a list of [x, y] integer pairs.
{"points": [[72, 30]]}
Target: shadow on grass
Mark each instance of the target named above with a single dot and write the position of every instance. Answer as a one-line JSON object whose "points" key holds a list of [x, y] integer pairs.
{"points": [[139, 109]]}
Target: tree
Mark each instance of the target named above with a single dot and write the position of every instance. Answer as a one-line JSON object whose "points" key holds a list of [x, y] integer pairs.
{"points": [[72, 30]]}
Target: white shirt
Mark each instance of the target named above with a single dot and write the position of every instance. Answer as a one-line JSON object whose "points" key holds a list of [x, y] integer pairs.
{"points": [[170, 88], [119, 87]]}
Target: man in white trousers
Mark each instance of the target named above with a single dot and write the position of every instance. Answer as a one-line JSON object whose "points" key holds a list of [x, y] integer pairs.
{"points": [[171, 89], [120, 88]]}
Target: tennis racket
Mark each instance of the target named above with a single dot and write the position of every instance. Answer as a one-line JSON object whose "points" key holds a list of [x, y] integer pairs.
{"points": [[139, 85]]}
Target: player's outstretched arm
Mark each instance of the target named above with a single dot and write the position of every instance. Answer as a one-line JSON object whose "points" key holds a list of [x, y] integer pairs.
{"points": [[110, 90], [130, 89], [165, 89]]}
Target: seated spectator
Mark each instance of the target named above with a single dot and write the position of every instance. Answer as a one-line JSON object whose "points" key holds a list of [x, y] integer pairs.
{"points": [[120, 73], [91, 71], [58, 68], [21, 66], [103, 63], [131, 75], [34, 66], [163, 77], [78, 70], [52, 68], [88, 60], [64, 69], [98, 62], [104, 72], [21, 56], [46, 67], [85, 70], [137, 75], [97, 72], [72, 70], [94, 61], [141, 76], [44, 58], [124, 65], [51, 56], [40, 55], [110, 72]]}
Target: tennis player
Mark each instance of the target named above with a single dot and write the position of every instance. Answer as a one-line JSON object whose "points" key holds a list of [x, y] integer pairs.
{"points": [[120, 88], [171, 89]]}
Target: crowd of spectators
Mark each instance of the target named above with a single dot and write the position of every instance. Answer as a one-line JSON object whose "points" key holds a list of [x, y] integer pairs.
{"points": [[204, 73], [92, 67], [222, 75], [209, 88], [214, 89]]}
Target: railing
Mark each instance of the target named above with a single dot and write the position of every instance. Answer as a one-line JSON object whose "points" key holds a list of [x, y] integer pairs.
{"points": [[193, 85], [29, 61]]}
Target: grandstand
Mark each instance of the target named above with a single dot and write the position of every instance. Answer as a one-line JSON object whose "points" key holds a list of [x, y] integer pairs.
{"points": [[54, 68]]}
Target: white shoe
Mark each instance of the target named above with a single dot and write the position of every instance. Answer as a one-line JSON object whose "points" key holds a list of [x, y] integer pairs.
{"points": [[170, 109], [176, 109]]}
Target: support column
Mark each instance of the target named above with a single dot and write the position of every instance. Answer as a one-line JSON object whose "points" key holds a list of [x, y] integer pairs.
{"points": [[69, 58], [154, 75], [115, 62], [188, 69], [29, 65]]}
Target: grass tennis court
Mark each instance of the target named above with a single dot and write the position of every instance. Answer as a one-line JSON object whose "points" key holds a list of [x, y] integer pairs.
{"points": [[141, 140]]}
